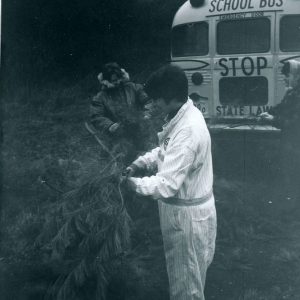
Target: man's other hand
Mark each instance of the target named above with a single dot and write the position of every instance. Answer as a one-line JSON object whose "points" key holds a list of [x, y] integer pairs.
{"points": [[125, 180], [266, 117]]}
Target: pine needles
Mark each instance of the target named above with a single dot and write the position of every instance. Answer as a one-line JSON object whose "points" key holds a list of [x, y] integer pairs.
{"points": [[91, 235], [86, 233]]}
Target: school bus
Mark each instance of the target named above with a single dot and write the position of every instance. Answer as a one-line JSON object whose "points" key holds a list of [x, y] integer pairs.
{"points": [[232, 52]]}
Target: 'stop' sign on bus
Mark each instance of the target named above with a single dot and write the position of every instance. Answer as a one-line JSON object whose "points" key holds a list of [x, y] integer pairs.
{"points": [[226, 6]]}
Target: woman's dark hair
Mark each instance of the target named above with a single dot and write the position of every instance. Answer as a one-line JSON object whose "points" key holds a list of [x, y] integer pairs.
{"points": [[169, 82], [110, 69]]}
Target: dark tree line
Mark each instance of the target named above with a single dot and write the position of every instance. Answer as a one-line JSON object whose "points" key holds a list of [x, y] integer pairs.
{"points": [[43, 40]]}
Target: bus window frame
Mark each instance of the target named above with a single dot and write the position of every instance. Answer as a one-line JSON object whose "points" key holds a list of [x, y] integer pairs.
{"points": [[278, 27], [236, 78], [196, 55], [271, 44]]}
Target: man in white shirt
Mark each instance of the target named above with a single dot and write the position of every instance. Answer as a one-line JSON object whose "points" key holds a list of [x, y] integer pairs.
{"points": [[182, 185]]}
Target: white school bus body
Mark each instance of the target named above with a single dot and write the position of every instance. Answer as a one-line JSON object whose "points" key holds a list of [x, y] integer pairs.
{"points": [[232, 52]]}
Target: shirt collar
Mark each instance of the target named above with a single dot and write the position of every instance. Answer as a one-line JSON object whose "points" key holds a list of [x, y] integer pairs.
{"points": [[170, 123], [172, 114]]}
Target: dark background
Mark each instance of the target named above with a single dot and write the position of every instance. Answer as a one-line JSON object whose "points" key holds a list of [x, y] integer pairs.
{"points": [[51, 40]]}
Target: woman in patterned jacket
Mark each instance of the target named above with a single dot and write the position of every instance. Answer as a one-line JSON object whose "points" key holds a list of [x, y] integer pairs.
{"points": [[115, 110]]}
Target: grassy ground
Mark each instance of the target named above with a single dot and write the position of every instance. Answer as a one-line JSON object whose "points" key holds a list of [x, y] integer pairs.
{"points": [[257, 254]]}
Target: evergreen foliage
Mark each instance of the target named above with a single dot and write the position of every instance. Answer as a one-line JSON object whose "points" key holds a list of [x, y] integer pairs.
{"points": [[91, 235], [87, 233], [76, 241]]}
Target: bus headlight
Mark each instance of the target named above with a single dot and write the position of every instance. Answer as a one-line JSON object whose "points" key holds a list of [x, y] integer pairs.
{"points": [[197, 78], [197, 3]]}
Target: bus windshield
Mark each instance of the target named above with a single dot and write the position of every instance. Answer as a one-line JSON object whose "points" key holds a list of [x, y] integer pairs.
{"points": [[243, 36], [190, 39], [290, 33]]}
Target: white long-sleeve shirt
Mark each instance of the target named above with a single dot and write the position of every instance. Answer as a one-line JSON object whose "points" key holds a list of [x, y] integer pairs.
{"points": [[183, 159]]}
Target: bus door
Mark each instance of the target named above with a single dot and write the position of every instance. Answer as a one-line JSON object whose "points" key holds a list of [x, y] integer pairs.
{"points": [[243, 65], [287, 46]]}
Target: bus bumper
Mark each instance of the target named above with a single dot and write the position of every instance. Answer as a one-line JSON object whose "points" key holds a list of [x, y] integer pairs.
{"points": [[257, 128]]}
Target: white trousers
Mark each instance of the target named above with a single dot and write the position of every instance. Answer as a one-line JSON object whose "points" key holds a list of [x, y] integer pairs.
{"points": [[189, 234]]}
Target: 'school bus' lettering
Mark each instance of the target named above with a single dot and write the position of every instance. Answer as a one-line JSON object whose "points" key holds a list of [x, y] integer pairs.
{"points": [[232, 5]]}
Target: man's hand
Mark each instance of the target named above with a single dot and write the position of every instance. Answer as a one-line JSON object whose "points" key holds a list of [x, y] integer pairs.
{"points": [[125, 179], [114, 127], [131, 170], [127, 173], [266, 117]]}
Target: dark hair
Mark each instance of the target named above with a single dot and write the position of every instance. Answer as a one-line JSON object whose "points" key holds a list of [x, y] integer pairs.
{"points": [[169, 82], [286, 68], [110, 69]]}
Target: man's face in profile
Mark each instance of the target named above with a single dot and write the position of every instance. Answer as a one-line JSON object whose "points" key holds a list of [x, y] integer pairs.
{"points": [[161, 105]]}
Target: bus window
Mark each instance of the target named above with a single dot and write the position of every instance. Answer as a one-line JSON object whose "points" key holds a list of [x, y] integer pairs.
{"points": [[290, 33], [190, 39], [243, 90], [243, 36]]}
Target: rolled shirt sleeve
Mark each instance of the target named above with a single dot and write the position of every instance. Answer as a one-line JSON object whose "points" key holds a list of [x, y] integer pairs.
{"points": [[178, 161]]}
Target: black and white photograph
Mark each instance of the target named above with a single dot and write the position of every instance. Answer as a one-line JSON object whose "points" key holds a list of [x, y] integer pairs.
{"points": [[150, 150]]}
